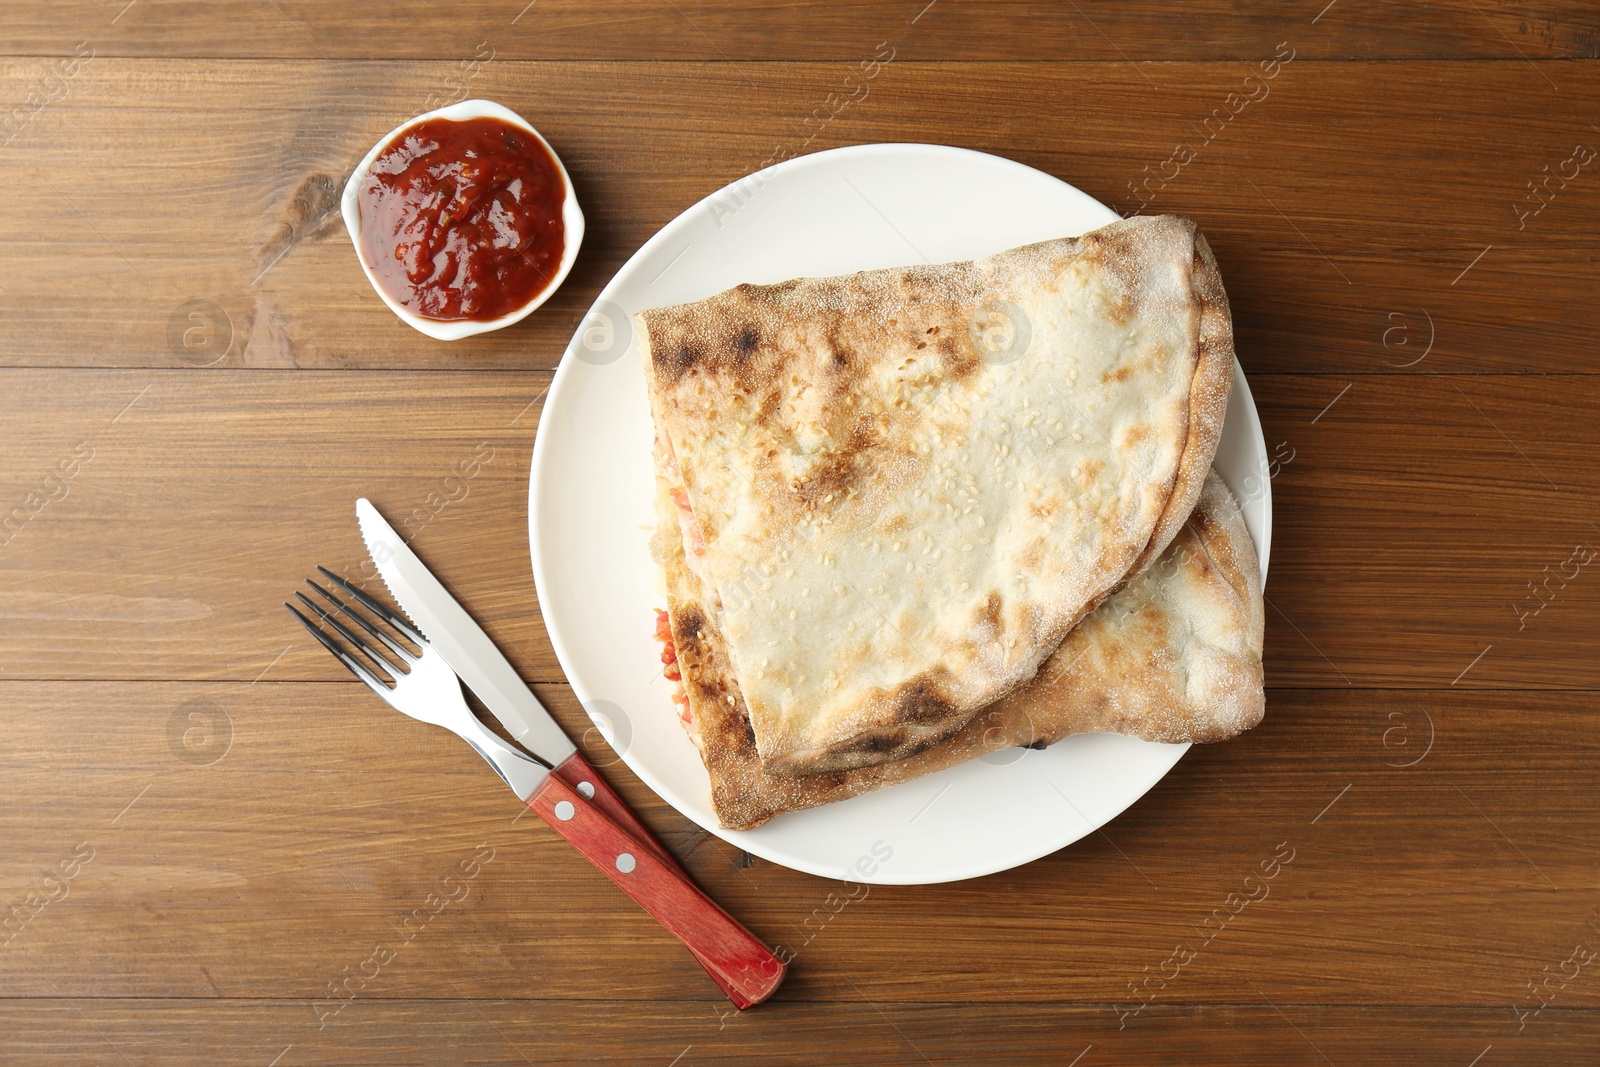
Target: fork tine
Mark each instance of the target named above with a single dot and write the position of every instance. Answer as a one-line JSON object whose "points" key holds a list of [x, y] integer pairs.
{"points": [[393, 646], [378, 608], [356, 667], [354, 638]]}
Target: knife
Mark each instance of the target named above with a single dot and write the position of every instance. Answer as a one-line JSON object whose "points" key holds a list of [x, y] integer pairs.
{"points": [[460, 640], [468, 651]]}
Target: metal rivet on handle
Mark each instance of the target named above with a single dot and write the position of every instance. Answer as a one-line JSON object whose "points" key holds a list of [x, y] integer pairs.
{"points": [[586, 790], [626, 863], [565, 810]]}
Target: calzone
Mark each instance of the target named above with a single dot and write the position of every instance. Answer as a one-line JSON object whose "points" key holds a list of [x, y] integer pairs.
{"points": [[901, 489]]}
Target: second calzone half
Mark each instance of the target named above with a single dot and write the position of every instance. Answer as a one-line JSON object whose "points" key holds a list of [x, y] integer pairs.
{"points": [[903, 488], [1174, 655]]}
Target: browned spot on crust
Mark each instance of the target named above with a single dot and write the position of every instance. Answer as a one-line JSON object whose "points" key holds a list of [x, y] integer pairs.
{"points": [[709, 688], [745, 343], [1120, 373], [895, 524], [922, 702], [989, 614], [673, 364], [837, 472], [1030, 556], [869, 744], [691, 624], [960, 362], [741, 734]]}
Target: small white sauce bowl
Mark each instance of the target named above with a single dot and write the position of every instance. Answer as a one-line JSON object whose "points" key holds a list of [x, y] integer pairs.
{"points": [[571, 221]]}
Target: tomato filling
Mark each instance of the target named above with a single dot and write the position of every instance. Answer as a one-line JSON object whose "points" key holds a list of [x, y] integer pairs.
{"points": [[669, 665]]}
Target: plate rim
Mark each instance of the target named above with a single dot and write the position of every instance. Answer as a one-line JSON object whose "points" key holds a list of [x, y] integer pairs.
{"points": [[749, 839]]}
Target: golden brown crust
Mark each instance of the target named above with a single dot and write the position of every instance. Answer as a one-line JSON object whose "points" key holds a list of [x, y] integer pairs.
{"points": [[1208, 398], [1175, 656], [720, 726], [823, 426]]}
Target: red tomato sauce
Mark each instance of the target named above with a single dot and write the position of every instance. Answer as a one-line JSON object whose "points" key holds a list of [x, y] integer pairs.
{"points": [[669, 665], [462, 220]]}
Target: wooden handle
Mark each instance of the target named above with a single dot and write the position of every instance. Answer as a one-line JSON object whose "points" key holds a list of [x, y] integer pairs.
{"points": [[737, 960], [580, 775]]}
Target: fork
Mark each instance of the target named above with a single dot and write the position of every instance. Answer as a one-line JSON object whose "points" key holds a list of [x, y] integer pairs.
{"points": [[420, 684]]}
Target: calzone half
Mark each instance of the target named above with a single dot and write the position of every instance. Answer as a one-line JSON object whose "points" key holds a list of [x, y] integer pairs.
{"points": [[902, 488], [1174, 655]]}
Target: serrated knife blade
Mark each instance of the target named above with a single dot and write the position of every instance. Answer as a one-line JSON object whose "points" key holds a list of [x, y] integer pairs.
{"points": [[460, 640]]}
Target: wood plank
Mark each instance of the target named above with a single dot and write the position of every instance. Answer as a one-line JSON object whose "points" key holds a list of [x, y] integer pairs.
{"points": [[736, 30], [326, 819], [1427, 519], [243, 848], [1411, 516], [1354, 238], [207, 500], [42, 1033]]}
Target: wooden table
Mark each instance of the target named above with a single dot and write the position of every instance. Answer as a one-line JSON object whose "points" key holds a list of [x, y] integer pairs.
{"points": [[215, 844]]}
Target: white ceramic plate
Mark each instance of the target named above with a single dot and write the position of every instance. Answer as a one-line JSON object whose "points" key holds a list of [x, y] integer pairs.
{"points": [[592, 491]]}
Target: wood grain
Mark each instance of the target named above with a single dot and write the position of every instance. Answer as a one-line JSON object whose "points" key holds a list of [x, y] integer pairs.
{"points": [[252, 840], [730, 30], [1411, 516], [250, 1033], [739, 962], [217, 847], [1353, 237]]}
